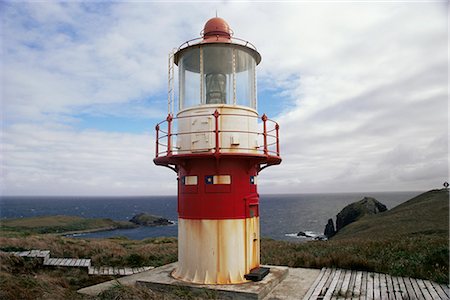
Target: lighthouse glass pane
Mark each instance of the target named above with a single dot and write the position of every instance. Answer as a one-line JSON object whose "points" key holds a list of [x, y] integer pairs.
{"points": [[218, 74], [189, 78], [245, 79]]}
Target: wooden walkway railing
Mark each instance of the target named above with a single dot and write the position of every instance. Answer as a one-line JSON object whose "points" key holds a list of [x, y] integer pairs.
{"points": [[78, 263], [351, 284]]}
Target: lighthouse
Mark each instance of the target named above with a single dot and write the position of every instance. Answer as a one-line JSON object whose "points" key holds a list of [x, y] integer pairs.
{"points": [[217, 143]]}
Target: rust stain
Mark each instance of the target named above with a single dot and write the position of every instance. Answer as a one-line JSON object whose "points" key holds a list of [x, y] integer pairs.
{"points": [[217, 251]]}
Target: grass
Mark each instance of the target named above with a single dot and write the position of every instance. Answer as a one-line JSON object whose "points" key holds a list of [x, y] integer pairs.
{"points": [[22, 278], [423, 257], [57, 224]]}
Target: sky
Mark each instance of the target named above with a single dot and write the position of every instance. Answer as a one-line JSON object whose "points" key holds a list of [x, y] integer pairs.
{"points": [[360, 90]]}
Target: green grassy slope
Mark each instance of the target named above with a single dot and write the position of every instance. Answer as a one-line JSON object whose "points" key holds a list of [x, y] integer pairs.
{"points": [[59, 224], [426, 214]]}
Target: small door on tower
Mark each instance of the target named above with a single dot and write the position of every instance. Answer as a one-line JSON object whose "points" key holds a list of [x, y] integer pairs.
{"points": [[201, 140]]}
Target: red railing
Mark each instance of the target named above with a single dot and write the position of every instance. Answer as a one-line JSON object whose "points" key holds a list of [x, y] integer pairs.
{"points": [[269, 135]]}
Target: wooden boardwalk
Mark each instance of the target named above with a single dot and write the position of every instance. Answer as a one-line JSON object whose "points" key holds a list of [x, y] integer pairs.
{"points": [[351, 284], [78, 263]]}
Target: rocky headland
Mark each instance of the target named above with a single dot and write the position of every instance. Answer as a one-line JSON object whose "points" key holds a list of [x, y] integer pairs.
{"points": [[145, 219], [352, 213]]}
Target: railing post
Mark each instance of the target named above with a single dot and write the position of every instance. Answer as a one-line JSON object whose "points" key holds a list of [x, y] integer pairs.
{"points": [[277, 127], [169, 134], [264, 119], [216, 131], [157, 141]]}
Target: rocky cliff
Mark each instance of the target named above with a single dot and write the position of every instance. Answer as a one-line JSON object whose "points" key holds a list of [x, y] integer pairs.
{"points": [[145, 219], [352, 213]]}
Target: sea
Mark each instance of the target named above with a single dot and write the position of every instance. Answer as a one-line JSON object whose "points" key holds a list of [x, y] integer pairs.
{"points": [[281, 216]]}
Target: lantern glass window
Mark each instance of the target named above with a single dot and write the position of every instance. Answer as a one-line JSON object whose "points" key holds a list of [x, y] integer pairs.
{"points": [[189, 93], [245, 79], [217, 74]]}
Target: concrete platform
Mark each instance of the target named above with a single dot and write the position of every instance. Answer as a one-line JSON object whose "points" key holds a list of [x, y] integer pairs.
{"points": [[160, 280], [295, 286]]}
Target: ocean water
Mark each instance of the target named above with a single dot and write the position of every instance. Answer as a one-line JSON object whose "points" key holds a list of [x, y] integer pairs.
{"points": [[281, 216]]}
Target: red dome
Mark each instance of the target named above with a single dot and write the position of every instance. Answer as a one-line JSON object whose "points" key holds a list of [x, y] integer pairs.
{"points": [[216, 27]]}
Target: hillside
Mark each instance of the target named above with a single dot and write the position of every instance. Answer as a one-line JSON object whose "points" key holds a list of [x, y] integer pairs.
{"points": [[59, 224], [426, 214]]}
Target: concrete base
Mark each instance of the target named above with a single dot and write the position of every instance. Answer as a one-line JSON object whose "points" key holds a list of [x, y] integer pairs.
{"points": [[160, 280], [295, 286]]}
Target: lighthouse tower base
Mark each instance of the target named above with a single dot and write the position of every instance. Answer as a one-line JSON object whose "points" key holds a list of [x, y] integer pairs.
{"points": [[217, 251]]}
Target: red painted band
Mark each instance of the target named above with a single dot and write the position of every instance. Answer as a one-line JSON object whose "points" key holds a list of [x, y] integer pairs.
{"points": [[204, 200]]}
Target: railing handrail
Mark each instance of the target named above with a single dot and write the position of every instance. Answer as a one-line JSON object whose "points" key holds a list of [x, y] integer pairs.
{"points": [[217, 131], [233, 40]]}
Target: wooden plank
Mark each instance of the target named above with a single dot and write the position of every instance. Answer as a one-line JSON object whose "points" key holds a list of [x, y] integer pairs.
{"points": [[50, 262], [67, 262], [311, 289], [24, 253], [431, 289], [363, 292], [87, 263], [44, 253], [333, 284], [351, 284], [335, 294], [376, 286], [357, 286], [383, 287], [417, 288], [325, 287], [343, 291], [446, 289], [440, 290], [60, 261], [128, 271], [318, 289], [426, 294], [390, 287], [396, 285], [403, 290], [369, 292], [410, 292]]}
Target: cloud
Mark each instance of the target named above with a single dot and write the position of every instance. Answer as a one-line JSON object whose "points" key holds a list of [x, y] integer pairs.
{"points": [[57, 160], [360, 91]]}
